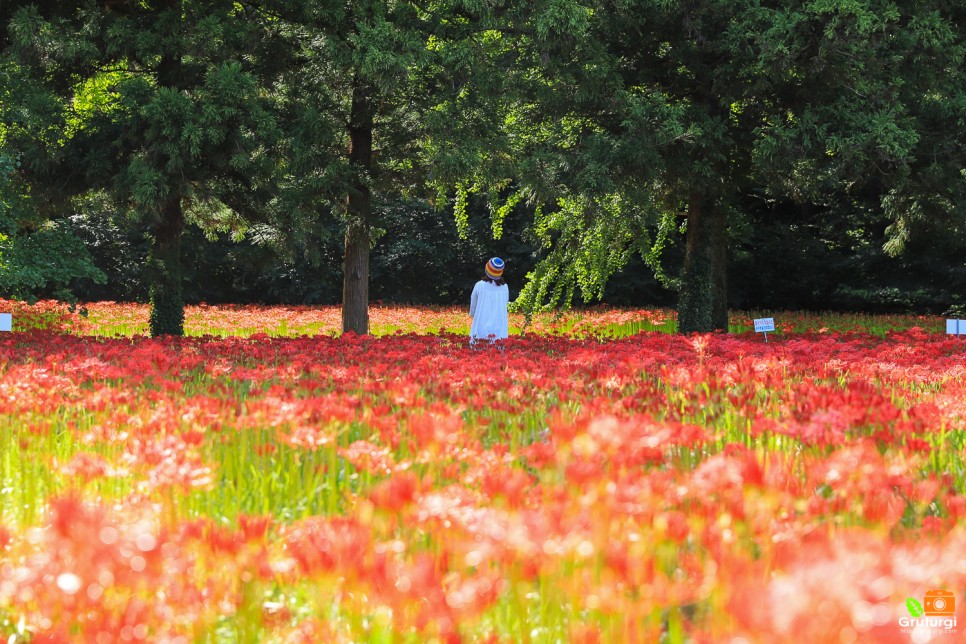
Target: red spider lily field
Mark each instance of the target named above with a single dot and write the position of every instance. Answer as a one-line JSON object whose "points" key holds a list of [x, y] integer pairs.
{"points": [[594, 479]]}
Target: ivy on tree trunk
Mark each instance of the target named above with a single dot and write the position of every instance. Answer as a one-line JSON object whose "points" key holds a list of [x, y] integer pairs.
{"points": [[703, 305], [167, 303], [164, 274]]}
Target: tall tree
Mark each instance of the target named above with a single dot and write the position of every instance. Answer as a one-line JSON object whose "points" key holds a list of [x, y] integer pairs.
{"points": [[161, 108], [376, 77]]}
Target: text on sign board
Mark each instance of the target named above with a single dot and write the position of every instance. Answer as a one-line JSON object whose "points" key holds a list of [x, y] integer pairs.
{"points": [[764, 324]]}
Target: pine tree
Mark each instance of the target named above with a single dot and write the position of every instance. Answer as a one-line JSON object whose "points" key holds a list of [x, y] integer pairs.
{"points": [[162, 108], [376, 78]]}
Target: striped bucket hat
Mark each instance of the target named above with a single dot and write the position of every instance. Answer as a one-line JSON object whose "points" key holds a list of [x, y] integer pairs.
{"points": [[494, 268]]}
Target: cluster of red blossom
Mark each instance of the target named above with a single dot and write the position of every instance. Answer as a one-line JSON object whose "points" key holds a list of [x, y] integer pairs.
{"points": [[706, 489], [114, 319]]}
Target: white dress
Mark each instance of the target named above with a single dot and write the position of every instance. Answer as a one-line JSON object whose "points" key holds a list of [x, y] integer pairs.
{"points": [[488, 309]]}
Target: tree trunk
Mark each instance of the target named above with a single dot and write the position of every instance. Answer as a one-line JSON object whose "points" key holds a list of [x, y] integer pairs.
{"points": [[719, 270], [164, 260], [167, 303], [355, 285], [703, 302], [358, 235]]}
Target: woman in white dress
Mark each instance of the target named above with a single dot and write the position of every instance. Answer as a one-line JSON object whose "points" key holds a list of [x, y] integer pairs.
{"points": [[488, 304]]}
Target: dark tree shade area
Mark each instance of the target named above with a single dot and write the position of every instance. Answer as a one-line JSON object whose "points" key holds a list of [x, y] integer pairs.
{"points": [[704, 155], [426, 262]]}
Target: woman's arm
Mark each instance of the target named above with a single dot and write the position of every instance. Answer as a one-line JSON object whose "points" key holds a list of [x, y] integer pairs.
{"points": [[473, 298]]}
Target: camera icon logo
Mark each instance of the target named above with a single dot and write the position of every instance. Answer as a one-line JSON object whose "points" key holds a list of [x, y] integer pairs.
{"points": [[939, 603]]}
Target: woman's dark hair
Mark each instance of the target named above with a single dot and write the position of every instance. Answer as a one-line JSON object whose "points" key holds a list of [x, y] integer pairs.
{"points": [[498, 281]]}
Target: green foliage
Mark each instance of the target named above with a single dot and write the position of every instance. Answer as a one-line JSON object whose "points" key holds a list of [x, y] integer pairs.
{"points": [[501, 213], [459, 210], [43, 263], [586, 242], [36, 260]]}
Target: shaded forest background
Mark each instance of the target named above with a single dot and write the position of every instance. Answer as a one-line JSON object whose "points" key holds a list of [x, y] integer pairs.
{"points": [[784, 256], [708, 155]]}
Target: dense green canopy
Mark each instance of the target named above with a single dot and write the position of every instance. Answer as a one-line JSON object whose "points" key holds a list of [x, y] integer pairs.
{"points": [[650, 114], [601, 135]]}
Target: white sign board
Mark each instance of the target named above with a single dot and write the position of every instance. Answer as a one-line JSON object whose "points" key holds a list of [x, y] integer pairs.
{"points": [[764, 324], [6, 322], [956, 327]]}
